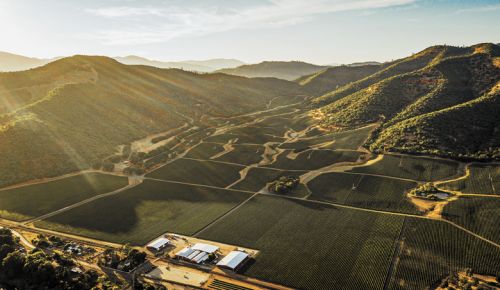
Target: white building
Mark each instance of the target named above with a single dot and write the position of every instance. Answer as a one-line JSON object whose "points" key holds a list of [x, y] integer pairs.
{"points": [[158, 244], [197, 253], [233, 260]]}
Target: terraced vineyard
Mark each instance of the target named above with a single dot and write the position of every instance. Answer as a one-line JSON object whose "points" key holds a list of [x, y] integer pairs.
{"points": [[144, 212], [415, 168], [37, 199], [364, 191], [345, 247], [478, 214], [482, 179]]}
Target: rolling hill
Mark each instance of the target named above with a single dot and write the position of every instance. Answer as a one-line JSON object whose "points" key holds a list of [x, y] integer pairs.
{"points": [[190, 65], [287, 70], [440, 101], [56, 119]]}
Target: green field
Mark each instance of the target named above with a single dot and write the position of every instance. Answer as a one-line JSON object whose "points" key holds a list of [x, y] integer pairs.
{"points": [[204, 151], [258, 177], [243, 154], [482, 179], [38, 199], [430, 250], [144, 212], [198, 172], [480, 215], [313, 159], [416, 168], [352, 140], [364, 191], [307, 245]]}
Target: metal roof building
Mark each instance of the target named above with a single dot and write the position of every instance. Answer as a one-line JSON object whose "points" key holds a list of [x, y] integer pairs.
{"points": [[233, 260], [197, 253], [158, 244]]}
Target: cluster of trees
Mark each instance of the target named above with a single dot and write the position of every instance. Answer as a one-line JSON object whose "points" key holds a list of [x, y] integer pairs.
{"points": [[427, 190], [38, 270], [284, 184], [125, 259]]}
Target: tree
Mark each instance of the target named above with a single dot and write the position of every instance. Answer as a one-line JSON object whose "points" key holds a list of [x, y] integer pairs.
{"points": [[13, 264]]}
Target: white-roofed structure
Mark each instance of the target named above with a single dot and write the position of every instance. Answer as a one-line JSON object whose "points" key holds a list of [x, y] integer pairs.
{"points": [[158, 244], [205, 248], [197, 253], [233, 260]]}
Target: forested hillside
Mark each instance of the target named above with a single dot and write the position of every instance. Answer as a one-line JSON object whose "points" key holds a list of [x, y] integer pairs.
{"points": [[443, 101], [59, 118]]}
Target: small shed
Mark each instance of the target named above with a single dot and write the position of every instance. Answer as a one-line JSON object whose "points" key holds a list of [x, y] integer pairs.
{"points": [[158, 244], [233, 260]]}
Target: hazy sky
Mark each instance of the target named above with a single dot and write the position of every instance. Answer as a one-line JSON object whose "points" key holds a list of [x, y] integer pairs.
{"points": [[318, 31]]}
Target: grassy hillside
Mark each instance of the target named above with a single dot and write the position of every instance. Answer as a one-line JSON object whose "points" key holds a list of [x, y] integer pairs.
{"points": [[65, 106], [278, 69], [440, 101]]}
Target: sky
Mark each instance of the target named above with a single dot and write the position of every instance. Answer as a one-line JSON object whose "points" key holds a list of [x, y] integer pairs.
{"points": [[316, 31]]}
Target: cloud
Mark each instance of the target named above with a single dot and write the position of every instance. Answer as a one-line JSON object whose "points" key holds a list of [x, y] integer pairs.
{"points": [[155, 24]]}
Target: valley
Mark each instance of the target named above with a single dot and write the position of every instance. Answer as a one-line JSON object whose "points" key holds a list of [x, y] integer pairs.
{"points": [[321, 187]]}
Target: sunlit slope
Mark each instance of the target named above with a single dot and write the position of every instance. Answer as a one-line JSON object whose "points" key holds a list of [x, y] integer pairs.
{"points": [[287, 70], [60, 117], [443, 100]]}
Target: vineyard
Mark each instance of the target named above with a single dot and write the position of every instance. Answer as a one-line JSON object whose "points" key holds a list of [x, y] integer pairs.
{"points": [[199, 172], [482, 179], [346, 247], [35, 200], [205, 151], [430, 250], [351, 139], [314, 159], [258, 177], [243, 154], [415, 168], [478, 214], [364, 191], [142, 213]]}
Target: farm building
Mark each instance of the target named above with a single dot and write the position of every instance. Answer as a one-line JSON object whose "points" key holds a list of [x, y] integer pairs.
{"points": [[197, 253], [158, 244], [233, 260]]}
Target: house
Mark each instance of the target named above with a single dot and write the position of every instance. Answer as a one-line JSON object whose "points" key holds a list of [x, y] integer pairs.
{"points": [[197, 253], [234, 260], [158, 244]]}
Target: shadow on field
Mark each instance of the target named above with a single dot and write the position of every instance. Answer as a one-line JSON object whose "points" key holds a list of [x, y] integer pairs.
{"points": [[118, 213]]}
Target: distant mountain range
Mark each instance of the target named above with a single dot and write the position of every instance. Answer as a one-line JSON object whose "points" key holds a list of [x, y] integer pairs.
{"points": [[189, 65], [287, 70], [12, 62]]}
